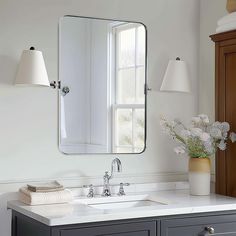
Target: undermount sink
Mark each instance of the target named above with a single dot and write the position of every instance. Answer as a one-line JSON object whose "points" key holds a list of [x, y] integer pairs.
{"points": [[122, 202], [123, 205]]}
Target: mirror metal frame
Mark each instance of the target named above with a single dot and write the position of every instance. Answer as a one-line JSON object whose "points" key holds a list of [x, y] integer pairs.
{"points": [[146, 88]]}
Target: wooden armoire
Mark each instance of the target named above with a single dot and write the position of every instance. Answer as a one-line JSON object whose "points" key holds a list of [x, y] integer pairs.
{"points": [[225, 102]]}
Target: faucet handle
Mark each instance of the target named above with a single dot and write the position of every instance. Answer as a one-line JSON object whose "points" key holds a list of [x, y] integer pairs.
{"points": [[106, 174], [121, 189], [91, 190]]}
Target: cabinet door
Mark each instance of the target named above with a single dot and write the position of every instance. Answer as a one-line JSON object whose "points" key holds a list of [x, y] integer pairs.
{"points": [[224, 225], [225, 99], [228, 56], [25, 226], [226, 111], [129, 229]]}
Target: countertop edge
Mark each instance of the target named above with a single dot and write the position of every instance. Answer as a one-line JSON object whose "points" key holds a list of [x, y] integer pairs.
{"points": [[174, 211]]}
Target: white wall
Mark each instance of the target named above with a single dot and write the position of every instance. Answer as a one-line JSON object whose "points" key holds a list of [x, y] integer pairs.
{"points": [[210, 12], [28, 127]]}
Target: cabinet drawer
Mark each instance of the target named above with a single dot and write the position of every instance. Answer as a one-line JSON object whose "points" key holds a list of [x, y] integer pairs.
{"points": [[129, 229], [196, 226]]}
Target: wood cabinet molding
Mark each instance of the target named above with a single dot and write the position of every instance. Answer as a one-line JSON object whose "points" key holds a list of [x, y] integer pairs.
{"points": [[225, 110], [223, 36]]}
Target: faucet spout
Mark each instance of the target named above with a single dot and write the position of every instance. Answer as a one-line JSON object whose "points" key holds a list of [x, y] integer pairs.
{"points": [[116, 166]]}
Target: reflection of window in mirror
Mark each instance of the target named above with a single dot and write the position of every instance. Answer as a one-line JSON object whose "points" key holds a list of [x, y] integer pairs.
{"points": [[127, 82]]}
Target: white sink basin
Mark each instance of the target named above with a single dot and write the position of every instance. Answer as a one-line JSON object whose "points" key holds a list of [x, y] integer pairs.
{"points": [[123, 205], [121, 202]]}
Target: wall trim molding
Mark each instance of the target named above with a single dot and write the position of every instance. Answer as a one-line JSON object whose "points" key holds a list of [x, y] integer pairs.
{"points": [[13, 185]]}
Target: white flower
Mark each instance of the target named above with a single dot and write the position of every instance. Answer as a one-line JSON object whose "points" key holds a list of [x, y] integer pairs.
{"points": [[209, 147], [220, 130], [225, 127], [216, 124], [172, 123], [225, 135], [233, 137], [185, 134], [179, 150], [205, 137], [215, 133], [196, 132], [222, 145], [163, 123], [200, 120], [202, 139], [196, 120], [204, 118]]}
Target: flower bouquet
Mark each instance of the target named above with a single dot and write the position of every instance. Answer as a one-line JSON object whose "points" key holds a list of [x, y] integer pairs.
{"points": [[200, 141]]}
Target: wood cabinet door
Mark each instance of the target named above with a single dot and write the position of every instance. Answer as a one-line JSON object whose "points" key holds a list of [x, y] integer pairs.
{"points": [[225, 104], [224, 225], [227, 112], [129, 229]]}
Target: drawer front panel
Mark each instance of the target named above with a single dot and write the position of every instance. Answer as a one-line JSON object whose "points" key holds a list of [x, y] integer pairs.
{"points": [[129, 229], [222, 225]]}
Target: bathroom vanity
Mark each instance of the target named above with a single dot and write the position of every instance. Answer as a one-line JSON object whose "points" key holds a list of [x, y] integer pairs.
{"points": [[177, 214], [222, 223]]}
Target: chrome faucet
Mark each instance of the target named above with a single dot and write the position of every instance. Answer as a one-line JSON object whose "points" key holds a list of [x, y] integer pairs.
{"points": [[116, 166]]}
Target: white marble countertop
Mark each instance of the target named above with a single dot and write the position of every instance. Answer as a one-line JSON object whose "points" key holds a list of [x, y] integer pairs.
{"points": [[179, 202]]}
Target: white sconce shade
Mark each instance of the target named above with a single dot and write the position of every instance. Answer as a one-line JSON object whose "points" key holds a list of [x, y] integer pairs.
{"points": [[176, 78], [32, 70]]}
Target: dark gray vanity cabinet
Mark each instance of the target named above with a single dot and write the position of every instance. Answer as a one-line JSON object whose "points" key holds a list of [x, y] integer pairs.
{"points": [[224, 225], [218, 223], [145, 228], [25, 226]]}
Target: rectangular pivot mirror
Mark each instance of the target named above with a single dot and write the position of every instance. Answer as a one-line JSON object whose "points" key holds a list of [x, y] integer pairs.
{"points": [[102, 98]]}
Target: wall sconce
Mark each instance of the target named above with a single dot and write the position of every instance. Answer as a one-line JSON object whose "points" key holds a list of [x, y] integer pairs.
{"points": [[176, 78], [32, 70]]}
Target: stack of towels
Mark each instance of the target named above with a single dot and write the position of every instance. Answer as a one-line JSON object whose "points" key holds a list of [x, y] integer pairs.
{"points": [[226, 23], [46, 193]]}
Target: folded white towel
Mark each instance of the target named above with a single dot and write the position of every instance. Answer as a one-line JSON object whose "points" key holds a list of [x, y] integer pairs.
{"points": [[33, 198], [45, 187], [226, 27], [227, 19]]}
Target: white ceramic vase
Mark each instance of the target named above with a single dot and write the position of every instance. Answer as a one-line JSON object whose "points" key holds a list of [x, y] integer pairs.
{"points": [[199, 176]]}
